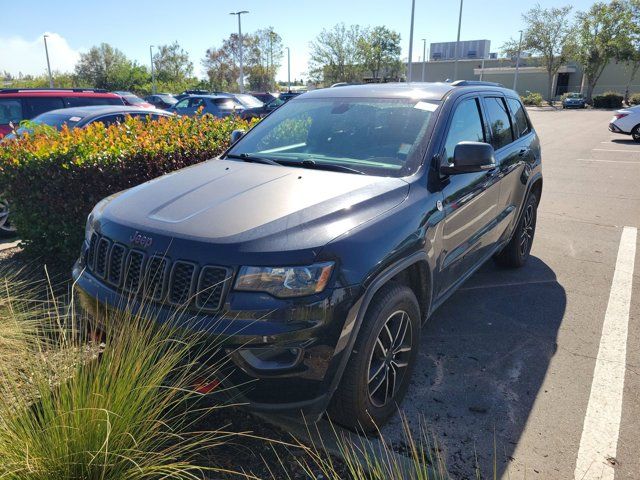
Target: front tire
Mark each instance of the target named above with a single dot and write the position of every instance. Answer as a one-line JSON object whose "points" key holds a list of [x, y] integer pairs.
{"points": [[379, 370], [516, 253], [7, 230]]}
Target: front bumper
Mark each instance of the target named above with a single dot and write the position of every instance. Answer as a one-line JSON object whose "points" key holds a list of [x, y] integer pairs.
{"points": [[278, 356]]}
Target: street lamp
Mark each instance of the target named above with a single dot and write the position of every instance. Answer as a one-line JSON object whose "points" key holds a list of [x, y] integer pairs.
{"points": [[153, 72], [410, 66], [455, 63], [515, 76], [288, 69], [241, 79], [46, 51], [424, 56]]}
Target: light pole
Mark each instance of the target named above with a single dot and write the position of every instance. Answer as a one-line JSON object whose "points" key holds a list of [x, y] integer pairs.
{"points": [[46, 51], [455, 63], [241, 79], [410, 66], [288, 69], [153, 72], [515, 76], [424, 56]]}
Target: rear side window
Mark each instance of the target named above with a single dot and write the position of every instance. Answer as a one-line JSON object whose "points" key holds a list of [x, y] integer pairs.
{"points": [[499, 122], [109, 119], [34, 106], [91, 101], [466, 126], [521, 124], [10, 111]]}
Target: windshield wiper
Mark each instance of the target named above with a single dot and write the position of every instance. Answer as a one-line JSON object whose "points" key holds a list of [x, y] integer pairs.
{"points": [[250, 158], [332, 167]]}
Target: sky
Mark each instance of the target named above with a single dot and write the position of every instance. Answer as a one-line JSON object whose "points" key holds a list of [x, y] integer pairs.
{"points": [[74, 26]]}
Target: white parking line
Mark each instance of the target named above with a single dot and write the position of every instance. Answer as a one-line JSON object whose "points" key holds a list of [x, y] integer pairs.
{"points": [[606, 161], [599, 441], [612, 150]]}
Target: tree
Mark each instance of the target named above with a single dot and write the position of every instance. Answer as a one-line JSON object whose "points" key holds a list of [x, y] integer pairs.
{"points": [[335, 54], [261, 55], [632, 54], [548, 35], [172, 63], [603, 33], [379, 52], [104, 66]]}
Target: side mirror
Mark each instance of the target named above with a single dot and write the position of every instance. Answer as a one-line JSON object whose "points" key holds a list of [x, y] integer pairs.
{"points": [[471, 157], [236, 135]]}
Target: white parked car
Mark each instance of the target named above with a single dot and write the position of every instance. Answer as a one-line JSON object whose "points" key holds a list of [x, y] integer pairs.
{"points": [[627, 122]]}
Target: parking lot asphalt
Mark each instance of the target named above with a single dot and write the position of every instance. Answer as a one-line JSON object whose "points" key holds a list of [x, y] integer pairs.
{"points": [[542, 364]]}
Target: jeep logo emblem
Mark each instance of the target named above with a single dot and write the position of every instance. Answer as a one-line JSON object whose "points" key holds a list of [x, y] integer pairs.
{"points": [[140, 240]]}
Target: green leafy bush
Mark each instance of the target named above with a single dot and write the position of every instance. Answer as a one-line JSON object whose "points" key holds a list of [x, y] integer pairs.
{"points": [[634, 99], [53, 179], [532, 99], [608, 100]]}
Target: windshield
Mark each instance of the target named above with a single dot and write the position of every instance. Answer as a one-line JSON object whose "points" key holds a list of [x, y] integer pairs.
{"points": [[575, 95], [249, 101], [377, 136], [171, 100], [133, 100], [57, 120]]}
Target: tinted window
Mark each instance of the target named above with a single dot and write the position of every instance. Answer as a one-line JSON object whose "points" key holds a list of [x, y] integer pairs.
{"points": [[109, 119], [466, 126], [522, 125], [182, 103], [34, 106], [89, 101], [499, 122], [10, 111], [226, 104], [196, 103]]}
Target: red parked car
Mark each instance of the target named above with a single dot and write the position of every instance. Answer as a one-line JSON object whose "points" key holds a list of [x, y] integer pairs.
{"points": [[17, 104]]}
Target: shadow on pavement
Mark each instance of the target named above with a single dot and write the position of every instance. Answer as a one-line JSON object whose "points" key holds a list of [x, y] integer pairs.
{"points": [[483, 358]]}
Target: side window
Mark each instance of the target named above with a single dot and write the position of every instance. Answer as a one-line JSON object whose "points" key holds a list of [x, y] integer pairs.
{"points": [[182, 103], [522, 124], [466, 125], [36, 105], [109, 119], [90, 101], [10, 111], [196, 103], [499, 122]]}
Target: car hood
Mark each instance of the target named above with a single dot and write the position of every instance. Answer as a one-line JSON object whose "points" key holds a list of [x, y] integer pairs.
{"points": [[254, 207]]}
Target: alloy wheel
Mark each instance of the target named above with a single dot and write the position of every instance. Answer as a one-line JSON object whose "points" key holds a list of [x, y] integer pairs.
{"points": [[389, 359], [526, 236], [5, 221]]}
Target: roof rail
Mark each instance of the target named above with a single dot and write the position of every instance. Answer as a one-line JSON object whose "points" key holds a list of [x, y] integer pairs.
{"points": [[475, 83], [77, 90]]}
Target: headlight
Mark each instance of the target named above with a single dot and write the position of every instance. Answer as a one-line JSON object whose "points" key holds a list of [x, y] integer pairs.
{"points": [[88, 229], [285, 282]]}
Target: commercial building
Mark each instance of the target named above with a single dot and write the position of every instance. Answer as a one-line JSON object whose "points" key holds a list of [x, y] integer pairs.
{"points": [[467, 49], [532, 77]]}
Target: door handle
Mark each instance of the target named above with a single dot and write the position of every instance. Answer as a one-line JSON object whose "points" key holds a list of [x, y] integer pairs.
{"points": [[524, 152]]}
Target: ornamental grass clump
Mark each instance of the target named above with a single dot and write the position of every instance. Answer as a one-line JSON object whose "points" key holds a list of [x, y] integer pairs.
{"points": [[126, 408], [52, 179]]}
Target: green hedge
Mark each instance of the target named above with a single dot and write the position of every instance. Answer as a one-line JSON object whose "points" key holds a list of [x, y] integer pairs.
{"points": [[532, 99], [608, 100], [53, 179], [634, 99]]}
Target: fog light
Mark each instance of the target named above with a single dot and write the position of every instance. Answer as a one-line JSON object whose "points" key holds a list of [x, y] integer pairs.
{"points": [[271, 358]]}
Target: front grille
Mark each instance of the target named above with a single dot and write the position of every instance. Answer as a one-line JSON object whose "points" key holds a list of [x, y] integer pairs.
{"points": [[181, 283], [154, 278], [102, 257], [211, 287], [116, 263], [133, 271]]}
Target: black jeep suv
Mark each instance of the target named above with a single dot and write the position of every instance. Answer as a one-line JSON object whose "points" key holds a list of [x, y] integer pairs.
{"points": [[323, 239]]}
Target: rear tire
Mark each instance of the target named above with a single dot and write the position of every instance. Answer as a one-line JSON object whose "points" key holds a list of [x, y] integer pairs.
{"points": [[635, 133], [516, 253], [379, 370]]}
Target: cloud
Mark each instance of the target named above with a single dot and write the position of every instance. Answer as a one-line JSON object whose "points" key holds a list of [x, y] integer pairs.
{"points": [[19, 55]]}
